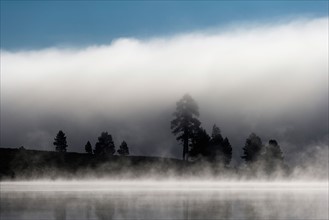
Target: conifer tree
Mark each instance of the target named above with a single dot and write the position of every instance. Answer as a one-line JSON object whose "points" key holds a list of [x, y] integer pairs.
{"points": [[185, 123], [123, 149], [220, 148], [200, 144], [60, 142], [274, 151], [88, 148], [253, 149], [104, 145], [227, 151], [273, 157]]}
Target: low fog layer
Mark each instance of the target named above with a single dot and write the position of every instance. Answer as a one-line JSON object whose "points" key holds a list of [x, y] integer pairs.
{"points": [[179, 200], [271, 79]]}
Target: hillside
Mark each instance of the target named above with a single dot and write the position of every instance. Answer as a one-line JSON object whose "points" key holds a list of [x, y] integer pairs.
{"points": [[29, 164]]}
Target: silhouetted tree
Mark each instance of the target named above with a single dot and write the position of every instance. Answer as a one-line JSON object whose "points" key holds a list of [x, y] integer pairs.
{"points": [[227, 151], [215, 145], [88, 148], [253, 149], [220, 149], [123, 150], [216, 133], [60, 142], [214, 149], [200, 144], [273, 156], [185, 122], [105, 145], [273, 151]]}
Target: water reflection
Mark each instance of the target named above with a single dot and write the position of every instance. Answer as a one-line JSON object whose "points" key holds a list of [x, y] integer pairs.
{"points": [[104, 209], [224, 204], [60, 211]]}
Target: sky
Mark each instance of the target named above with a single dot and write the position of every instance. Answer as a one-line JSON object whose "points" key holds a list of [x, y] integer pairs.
{"points": [[39, 24], [88, 67]]}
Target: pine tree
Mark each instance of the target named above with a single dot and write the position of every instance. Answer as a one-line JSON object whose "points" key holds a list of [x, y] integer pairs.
{"points": [[123, 149], [60, 142], [215, 145], [185, 122], [105, 145], [227, 151], [274, 151], [220, 149], [88, 148], [216, 134], [273, 157], [200, 144], [253, 149]]}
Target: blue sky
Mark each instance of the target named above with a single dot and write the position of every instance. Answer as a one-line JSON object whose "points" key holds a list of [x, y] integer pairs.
{"points": [[37, 24]]}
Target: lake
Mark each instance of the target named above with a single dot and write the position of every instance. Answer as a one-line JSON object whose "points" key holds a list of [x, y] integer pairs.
{"points": [[164, 200]]}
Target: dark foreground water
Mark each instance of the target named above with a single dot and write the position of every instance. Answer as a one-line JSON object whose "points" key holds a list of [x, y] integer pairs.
{"points": [[163, 200]]}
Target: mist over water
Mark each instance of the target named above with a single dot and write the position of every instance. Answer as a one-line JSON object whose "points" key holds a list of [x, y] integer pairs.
{"points": [[164, 200], [267, 78]]}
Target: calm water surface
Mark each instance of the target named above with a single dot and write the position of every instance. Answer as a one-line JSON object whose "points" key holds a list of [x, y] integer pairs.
{"points": [[163, 200]]}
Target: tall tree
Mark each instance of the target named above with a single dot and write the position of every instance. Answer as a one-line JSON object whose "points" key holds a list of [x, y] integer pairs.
{"points": [[104, 145], [185, 122], [88, 148], [123, 149], [253, 149], [60, 142]]}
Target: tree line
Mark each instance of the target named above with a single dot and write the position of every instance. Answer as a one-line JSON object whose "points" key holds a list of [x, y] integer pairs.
{"points": [[197, 144], [103, 147]]}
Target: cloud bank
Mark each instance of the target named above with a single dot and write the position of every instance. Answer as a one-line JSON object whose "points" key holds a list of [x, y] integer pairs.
{"points": [[271, 79]]}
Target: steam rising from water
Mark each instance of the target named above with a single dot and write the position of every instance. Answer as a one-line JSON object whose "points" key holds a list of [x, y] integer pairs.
{"points": [[149, 185], [271, 79], [164, 200]]}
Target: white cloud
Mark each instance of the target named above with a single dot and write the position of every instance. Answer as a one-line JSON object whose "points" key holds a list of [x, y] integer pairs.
{"points": [[264, 71]]}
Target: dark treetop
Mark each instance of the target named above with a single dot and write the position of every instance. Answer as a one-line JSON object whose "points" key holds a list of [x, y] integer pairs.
{"points": [[105, 145], [60, 142]]}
